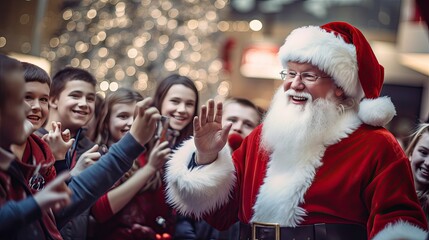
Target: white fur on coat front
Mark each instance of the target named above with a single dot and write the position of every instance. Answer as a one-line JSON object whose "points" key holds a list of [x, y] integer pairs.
{"points": [[291, 172], [202, 189], [401, 230]]}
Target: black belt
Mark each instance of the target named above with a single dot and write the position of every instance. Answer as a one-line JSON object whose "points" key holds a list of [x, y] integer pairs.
{"points": [[321, 231]]}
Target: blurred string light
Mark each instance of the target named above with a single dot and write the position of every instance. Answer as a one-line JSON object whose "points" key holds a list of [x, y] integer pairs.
{"points": [[139, 42]]}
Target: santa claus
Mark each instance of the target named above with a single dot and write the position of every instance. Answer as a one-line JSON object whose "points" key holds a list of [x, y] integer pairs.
{"points": [[321, 166]]}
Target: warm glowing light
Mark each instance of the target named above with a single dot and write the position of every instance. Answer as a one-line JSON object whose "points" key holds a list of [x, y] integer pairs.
{"points": [[199, 85], [223, 88], [195, 56], [156, 13], [152, 55], [24, 19], [223, 26], [173, 13], [110, 63], [119, 75], [161, 20], [54, 42], [132, 53], [255, 25], [139, 61], [170, 65], [211, 15], [163, 39], [74, 62], [102, 52], [166, 5], [113, 86], [2, 42], [101, 35], [130, 71], [102, 94], [172, 24], [192, 24], [179, 46], [92, 13], [120, 41], [67, 14], [85, 63]]}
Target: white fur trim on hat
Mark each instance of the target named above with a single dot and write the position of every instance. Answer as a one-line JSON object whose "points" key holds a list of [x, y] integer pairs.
{"points": [[202, 189], [376, 112], [401, 230], [328, 52]]}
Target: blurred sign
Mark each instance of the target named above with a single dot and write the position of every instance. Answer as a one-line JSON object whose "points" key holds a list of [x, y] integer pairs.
{"points": [[261, 61]]}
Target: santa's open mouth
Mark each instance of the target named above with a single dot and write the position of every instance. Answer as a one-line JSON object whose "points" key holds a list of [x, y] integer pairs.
{"points": [[298, 98]]}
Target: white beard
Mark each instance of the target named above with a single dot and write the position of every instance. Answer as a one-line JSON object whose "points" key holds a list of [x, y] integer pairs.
{"points": [[288, 126], [297, 137]]}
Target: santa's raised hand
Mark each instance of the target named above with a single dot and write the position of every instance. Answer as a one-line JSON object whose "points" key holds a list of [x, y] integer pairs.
{"points": [[209, 135]]}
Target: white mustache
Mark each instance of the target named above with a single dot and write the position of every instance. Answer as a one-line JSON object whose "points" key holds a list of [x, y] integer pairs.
{"points": [[292, 92]]}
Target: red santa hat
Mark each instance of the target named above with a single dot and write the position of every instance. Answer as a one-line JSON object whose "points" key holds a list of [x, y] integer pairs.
{"points": [[341, 50]]}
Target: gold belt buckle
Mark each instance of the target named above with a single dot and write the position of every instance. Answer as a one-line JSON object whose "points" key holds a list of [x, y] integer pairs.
{"points": [[276, 227]]}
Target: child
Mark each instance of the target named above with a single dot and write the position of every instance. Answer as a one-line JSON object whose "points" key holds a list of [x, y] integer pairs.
{"points": [[72, 102], [86, 187], [147, 213], [37, 97], [244, 116], [24, 214], [115, 121], [418, 152]]}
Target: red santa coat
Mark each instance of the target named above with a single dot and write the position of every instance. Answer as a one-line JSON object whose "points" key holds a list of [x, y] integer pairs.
{"points": [[364, 179], [138, 218]]}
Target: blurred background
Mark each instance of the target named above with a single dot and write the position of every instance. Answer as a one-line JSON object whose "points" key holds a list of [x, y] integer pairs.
{"points": [[228, 47]]}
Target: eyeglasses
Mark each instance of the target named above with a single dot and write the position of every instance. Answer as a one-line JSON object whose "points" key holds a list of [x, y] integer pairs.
{"points": [[305, 76]]}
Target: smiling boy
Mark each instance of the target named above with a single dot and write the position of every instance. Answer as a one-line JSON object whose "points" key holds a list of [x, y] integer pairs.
{"points": [[72, 102]]}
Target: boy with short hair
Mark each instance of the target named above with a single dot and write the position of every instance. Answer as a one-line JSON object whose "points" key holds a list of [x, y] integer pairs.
{"points": [[72, 102], [243, 114], [21, 212]]}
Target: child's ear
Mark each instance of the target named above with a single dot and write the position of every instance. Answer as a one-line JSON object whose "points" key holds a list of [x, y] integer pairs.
{"points": [[53, 102]]}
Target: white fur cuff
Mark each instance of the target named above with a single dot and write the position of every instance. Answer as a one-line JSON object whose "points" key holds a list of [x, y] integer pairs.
{"points": [[202, 189], [401, 230]]}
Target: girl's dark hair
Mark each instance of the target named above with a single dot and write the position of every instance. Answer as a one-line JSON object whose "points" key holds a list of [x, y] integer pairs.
{"points": [[33, 73], [161, 92], [7, 66], [122, 95]]}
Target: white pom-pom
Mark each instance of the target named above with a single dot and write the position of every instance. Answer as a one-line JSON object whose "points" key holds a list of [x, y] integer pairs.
{"points": [[376, 112]]}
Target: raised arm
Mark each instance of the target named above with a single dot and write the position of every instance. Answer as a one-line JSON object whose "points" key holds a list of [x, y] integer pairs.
{"points": [[96, 180], [118, 197], [209, 136], [199, 186]]}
